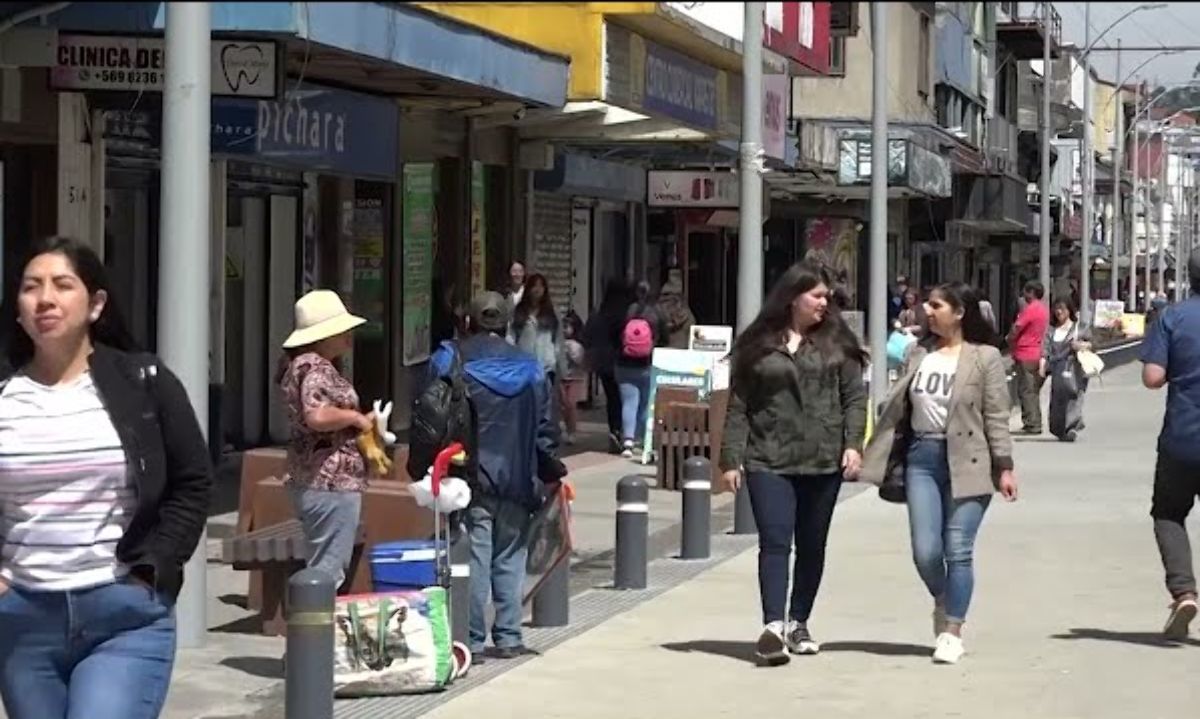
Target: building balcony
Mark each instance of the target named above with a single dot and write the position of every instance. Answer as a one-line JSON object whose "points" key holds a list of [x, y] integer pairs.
{"points": [[1022, 28], [994, 204]]}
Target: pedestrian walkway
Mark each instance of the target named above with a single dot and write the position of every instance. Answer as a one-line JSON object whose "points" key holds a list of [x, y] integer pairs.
{"points": [[1065, 624]]}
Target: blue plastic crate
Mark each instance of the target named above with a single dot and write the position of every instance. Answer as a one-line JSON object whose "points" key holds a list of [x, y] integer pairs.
{"points": [[409, 564]]}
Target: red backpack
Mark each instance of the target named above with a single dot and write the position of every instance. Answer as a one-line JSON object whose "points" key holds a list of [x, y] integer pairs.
{"points": [[637, 339]]}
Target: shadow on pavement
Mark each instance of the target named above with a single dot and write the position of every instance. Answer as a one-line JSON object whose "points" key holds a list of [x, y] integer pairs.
{"points": [[741, 651], [265, 667], [1145, 639], [880, 649]]}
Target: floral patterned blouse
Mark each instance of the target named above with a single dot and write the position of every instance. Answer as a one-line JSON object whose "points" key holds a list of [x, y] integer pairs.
{"points": [[327, 461]]}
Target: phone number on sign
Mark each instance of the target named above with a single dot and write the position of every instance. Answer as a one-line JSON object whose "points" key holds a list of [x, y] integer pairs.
{"points": [[124, 77]]}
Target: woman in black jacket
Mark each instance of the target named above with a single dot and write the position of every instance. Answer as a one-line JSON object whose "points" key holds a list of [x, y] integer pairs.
{"points": [[104, 491]]}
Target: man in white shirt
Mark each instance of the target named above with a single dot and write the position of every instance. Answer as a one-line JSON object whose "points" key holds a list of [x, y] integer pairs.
{"points": [[516, 289]]}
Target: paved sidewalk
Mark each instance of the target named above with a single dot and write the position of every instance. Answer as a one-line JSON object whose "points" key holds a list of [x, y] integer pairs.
{"points": [[1068, 605]]}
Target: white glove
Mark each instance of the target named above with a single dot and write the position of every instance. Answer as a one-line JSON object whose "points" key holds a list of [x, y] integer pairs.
{"points": [[383, 413], [455, 494]]}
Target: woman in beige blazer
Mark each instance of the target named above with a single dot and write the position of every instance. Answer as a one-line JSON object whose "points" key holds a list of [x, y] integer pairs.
{"points": [[944, 427]]}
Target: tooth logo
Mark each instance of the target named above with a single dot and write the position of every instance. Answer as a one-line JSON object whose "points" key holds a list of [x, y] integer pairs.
{"points": [[242, 64]]}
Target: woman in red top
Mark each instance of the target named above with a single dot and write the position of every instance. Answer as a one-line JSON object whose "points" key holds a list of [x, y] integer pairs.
{"points": [[326, 472]]}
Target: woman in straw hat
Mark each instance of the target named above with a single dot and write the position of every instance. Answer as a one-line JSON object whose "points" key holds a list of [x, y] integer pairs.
{"points": [[326, 472]]}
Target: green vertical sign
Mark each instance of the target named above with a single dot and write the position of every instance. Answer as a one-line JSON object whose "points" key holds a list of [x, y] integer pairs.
{"points": [[419, 182], [478, 230]]}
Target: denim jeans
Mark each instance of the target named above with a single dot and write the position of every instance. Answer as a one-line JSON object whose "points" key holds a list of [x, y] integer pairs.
{"points": [[943, 529], [634, 383], [791, 509], [330, 521], [498, 531], [100, 653]]}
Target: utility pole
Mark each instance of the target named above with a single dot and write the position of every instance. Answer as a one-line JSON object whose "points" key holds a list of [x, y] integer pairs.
{"points": [[1085, 157], [1137, 190], [183, 286], [750, 243], [1044, 184], [1118, 157], [877, 307], [1163, 241]]}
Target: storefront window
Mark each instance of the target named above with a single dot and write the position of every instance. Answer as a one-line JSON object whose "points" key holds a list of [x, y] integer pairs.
{"points": [[370, 289]]}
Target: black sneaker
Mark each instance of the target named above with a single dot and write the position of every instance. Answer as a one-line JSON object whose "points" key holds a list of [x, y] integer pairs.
{"points": [[800, 642], [512, 652], [771, 649]]}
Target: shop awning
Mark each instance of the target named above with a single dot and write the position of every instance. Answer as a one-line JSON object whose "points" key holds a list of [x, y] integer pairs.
{"points": [[390, 48]]}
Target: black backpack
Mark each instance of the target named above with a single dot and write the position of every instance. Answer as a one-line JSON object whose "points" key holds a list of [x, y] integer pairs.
{"points": [[442, 414]]}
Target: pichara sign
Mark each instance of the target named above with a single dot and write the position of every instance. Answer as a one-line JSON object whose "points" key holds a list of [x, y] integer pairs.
{"points": [[240, 68]]}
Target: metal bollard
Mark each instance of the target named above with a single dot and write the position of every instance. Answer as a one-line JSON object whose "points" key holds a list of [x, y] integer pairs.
{"points": [[633, 533], [694, 542], [460, 587], [309, 671], [743, 512], [552, 603]]}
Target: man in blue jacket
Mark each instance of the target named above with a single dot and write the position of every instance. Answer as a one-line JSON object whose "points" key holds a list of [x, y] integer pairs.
{"points": [[516, 454]]}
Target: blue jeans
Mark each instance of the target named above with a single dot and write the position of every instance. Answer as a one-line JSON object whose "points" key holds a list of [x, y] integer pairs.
{"points": [[791, 509], [634, 383], [101, 653], [497, 528], [943, 529]]}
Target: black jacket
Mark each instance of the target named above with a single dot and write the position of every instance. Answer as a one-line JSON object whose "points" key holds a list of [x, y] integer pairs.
{"points": [[167, 458]]}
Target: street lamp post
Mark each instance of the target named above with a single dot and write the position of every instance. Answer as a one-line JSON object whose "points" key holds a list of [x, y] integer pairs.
{"points": [[1085, 254]]}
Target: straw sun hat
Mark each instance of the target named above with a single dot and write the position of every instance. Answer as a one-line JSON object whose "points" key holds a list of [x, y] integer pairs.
{"points": [[320, 315]]}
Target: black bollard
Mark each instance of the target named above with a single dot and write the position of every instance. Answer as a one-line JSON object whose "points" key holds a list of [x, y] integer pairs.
{"points": [[460, 586], [309, 666], [743, 511], [552, 603], [694, 542], [633, 531]]}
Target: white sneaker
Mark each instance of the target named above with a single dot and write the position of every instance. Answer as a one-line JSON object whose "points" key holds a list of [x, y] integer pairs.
{"points": [[570, 438], [628, 453], [799, 641], [939, 620], [1182, 614], [949, 649], [771, 649]]}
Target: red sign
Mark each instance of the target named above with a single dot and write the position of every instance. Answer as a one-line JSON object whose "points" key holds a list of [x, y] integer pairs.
{"points": [[799, 31]]}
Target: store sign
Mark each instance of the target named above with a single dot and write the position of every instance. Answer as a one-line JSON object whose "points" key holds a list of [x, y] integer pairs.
{"points": [[241, 68], [317, 128], [797, 30], [680, 87], [684, 188], [775, 112]]}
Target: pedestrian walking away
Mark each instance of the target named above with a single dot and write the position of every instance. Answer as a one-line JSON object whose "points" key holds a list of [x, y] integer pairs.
{"points": [[644, 329], [795, 427], [1065, 339], [602, 342], [516, 446], [1171, 357], [1025, 341], [104, 488], [944, 429], [326, 471]]}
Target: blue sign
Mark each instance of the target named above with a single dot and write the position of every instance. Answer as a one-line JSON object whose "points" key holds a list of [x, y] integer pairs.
{"points": [[680, 87], [315, 128]]}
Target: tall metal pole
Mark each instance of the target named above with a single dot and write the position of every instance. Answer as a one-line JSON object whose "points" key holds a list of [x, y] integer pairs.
{"points": [[1118, 157], [877, 307], [1179, 227], [1164, 162], [1137, 190], [750, 244], [1085, 156], [1044, 184], [184, 241]]}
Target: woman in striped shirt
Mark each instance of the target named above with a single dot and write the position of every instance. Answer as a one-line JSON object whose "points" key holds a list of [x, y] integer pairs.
{"points": [[104, 484]]}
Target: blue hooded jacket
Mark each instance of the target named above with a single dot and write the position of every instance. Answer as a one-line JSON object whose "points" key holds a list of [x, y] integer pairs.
{"points": [[512, 401]]}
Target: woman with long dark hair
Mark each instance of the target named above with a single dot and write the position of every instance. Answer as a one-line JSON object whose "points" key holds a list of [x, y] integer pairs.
{"points": [[944, 429], [795, 428], [1064, 340], [104, 491], [603, 346], [644, 329], [535, 326]]}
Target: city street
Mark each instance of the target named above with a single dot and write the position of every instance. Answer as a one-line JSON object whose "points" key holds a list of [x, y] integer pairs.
{"points": [[1068, 605]]}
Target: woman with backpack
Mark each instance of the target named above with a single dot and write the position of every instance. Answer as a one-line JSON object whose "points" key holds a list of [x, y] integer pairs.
{"points": [[644, 329], [601, 338], [1065, 339], [104, 491], [795, 426], [942, 446]]}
